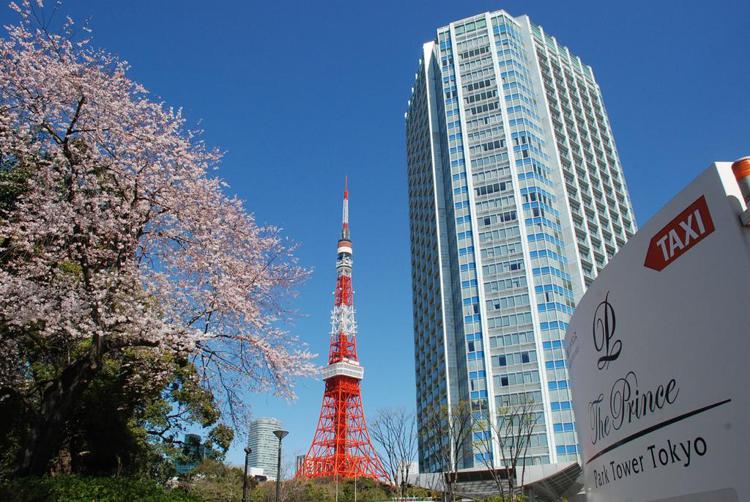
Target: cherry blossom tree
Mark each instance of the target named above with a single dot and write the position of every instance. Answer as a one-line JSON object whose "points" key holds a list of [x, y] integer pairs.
{"points": [[120, 238]]}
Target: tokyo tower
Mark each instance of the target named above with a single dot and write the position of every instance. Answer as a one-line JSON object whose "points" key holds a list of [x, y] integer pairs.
{"points": [[341, 446]]}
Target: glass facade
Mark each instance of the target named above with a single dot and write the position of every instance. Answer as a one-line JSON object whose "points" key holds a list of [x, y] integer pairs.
{"points": [[517, 200], [264, 445]]}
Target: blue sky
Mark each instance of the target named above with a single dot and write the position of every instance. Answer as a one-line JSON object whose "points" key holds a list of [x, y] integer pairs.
{"points": [[300, 94]]}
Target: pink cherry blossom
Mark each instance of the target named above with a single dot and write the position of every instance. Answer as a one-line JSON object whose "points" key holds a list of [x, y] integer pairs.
{"points": [[123, 237]]}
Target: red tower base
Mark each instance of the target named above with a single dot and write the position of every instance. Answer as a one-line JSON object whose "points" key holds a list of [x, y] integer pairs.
{"points": [[341, 446]]}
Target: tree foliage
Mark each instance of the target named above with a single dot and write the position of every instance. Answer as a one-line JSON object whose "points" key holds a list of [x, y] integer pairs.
{"points": [[323, 490], [124, 266], [86, 489], [214, 481]]}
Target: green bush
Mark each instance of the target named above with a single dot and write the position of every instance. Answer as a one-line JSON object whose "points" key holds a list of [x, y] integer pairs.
{"points": [[213, 481], [87, 489]]}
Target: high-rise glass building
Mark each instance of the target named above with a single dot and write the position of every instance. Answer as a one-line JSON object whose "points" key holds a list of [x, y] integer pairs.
{"points": [[516, 201], [264, 445]]}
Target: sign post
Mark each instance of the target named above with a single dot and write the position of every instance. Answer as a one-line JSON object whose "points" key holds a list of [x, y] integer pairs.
{"points": [[659, 355]]}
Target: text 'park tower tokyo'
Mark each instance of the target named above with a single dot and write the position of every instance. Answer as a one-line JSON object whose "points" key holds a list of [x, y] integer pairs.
{"points": [[341, 446]]}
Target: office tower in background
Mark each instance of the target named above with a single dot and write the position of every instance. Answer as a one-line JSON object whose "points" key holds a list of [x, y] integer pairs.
{"points": [[264, 445], [516, 200]]}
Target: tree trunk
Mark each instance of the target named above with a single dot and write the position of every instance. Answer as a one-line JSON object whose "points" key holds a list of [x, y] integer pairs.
{"points": [[405, 488], [59, 400], [451, 481]]}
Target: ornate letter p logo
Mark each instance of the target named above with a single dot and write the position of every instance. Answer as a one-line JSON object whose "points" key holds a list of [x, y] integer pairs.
{"points": [[604, 332]]}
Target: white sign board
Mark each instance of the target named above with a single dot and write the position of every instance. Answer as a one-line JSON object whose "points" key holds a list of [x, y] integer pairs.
{"points": [[659, 356]]}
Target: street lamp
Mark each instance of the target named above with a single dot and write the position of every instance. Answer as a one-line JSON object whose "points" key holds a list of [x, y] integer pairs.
{"points": [[248, 450], [281, 434]]}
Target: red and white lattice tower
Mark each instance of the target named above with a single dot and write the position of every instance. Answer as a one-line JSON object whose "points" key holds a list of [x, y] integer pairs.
{"points": [[341, 446]]}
